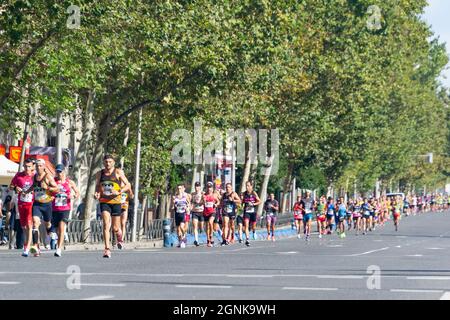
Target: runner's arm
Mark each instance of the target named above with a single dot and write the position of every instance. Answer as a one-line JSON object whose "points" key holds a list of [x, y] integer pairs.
{"points": [[97, 185], [258, 200], [52, 186], [236, 198], [127, 184], [75, 189]]}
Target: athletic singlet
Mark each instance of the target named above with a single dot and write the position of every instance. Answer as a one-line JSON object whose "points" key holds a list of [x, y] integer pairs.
{"points": [[229, 206], [249, 202], [61, 202], [198, 203], [320, 209], [366, 208], [330, 209], [107, 184], [181, 204], [298, 209], [342, 211], [23, 181], [209, 200], [41, 195]]}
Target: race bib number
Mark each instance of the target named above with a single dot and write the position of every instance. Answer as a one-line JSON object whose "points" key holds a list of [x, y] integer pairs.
{"points": [[330, 212], [61, 200], [26, 197], [249, 209], [209, 204], [181, 209], [366, 213], [39, 194], [229, 209], [107, 189], [123, 198], [308, 211]]}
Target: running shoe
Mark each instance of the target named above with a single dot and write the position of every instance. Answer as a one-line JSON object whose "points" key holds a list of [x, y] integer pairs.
{"points": [[273, 238], [107, 253], [47, 247], [268, 237], [33, 249], [224, 243], [240, 240], [320, 236], [58, 252], [119, 241], [209, 244], [53, 237], [247, 243], [299, 236], [307, 237], [196, 243], [182, 245], [25, 253]]}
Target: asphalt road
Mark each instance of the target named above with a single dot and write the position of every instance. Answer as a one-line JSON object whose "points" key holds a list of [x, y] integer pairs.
{"points": [[413, 263]]}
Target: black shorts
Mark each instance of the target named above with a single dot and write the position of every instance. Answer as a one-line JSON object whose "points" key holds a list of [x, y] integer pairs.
{"points": [[207, 217], [239, 220], [250, 216], [231, 215], [43, 211], [198, 216], [180, 218], [218, 218], [59, 216], [114, 210]]}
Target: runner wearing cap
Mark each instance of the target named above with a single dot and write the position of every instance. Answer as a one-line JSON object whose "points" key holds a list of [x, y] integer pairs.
{"points": [[62, 204]]}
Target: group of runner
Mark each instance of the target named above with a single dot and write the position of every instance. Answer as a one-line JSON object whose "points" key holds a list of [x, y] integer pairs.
{"points": [[40, 196]]}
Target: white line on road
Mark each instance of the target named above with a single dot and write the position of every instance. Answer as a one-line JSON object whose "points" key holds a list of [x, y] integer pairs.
{"points": [[435, 248], [249, 276], [367, 252], [414, 255], [201, 286], [311, 289], [99, 298], [428, 278], [340, 277], [288, 252], [416, 291], [334, 246], [103, 284], [9, 282], [445, 296]]}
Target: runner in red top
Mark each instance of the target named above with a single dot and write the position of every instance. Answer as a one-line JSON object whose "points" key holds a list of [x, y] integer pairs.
{"points": [[211, 202], [22, 184]]}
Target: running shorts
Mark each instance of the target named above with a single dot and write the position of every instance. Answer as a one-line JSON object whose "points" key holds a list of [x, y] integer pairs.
{"points": [[59, 216], [114, 210], [43, 211], [180, 218], [198, 216], [271, 219], [321, 218], [250, 216], [25, 214], [239, 219], [307, 217]]}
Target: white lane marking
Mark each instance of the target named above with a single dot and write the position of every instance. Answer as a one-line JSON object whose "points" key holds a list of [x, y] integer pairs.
{"points": [[340, 277], [201, 286], [249, 276], [9, 282], [416, 291], [377, 240], [445, 296], [367, 252], [310, 289], [414, 255], [99, 298], [428, 278], [103, 284], [288, 252], [334, 246], [401, 237], [435, 248], [398, 246]]}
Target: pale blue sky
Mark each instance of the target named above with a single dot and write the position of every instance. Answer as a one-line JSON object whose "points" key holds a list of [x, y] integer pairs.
{"points": [[438, 15]]}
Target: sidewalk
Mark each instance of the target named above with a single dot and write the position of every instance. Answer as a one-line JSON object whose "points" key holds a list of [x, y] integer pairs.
{"points": [[286, 231]]}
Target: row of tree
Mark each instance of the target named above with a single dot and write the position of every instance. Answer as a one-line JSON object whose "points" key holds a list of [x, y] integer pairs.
{"points": [[355, 95]]}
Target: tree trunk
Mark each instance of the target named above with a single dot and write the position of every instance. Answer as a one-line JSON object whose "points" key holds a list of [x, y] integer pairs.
{"points": [[247, 167], [286, 187], [95, 165], [265, 183]]}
